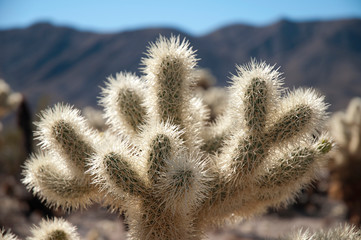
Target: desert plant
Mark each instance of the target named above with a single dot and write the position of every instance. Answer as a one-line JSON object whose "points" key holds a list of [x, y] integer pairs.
{"points": [[203, 78], [159, 162], [214, 98], [95, 118], [7, 235], [341, 232], [345, 128], [10, 156], [8, 99], [345, 164], [55, 229]]}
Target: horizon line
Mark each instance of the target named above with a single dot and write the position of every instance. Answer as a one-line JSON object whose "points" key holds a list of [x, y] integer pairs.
{"points": [[178, 28]]}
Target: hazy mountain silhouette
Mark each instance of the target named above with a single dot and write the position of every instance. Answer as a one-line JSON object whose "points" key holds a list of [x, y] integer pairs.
{"points": [[65, 64]]}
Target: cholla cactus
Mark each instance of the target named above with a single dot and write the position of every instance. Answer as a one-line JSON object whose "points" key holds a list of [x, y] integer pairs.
{"points": [[95, 118], [8, 100], [173, 176], [341, 232], [346, 130], [214, 98], [56, 229], [203, 78], [345, 164], [7, 235]]}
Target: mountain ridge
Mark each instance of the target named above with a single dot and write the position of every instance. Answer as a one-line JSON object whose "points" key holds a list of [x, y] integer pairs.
{"points": [[68, 65]]}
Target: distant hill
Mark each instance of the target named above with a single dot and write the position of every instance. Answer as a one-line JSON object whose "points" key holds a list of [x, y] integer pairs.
{"points": [[63, 64]]}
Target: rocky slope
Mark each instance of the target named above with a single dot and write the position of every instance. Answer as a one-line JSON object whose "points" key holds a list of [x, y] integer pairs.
{"points": [[63, 64]]}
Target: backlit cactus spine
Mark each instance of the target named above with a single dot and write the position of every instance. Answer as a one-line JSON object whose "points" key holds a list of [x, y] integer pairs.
{"points": [[340, 232], [55, 229], [163, 164], [7, 235]]}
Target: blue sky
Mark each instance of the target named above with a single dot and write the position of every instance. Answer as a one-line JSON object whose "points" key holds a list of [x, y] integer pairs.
{"points": [[193, 16]]}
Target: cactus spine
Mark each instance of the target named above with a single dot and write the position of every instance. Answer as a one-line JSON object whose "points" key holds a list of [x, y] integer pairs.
{"points": [[55, 229], [7, 235], [162, 163], [341, 232]]}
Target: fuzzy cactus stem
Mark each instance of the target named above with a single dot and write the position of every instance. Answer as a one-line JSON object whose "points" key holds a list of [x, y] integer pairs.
{"points": [[255, 105], [296, 164], [123, 100], [160, 151], [134, 113], [72, 144], [122, 174], [60, 184], [168, 70], [290, 124]]}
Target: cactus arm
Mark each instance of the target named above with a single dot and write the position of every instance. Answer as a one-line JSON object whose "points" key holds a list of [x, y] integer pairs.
{"points": [[174, 173], [58, 175], [56, 229], [255, 91], [121, 173], [123, 100], [160, 152], [63, 132], [300, 114], [255, 106], [294, 165], [7, 235], [339, 232], [168, 70], [56, 185], [117, 169], [293, 170]]}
